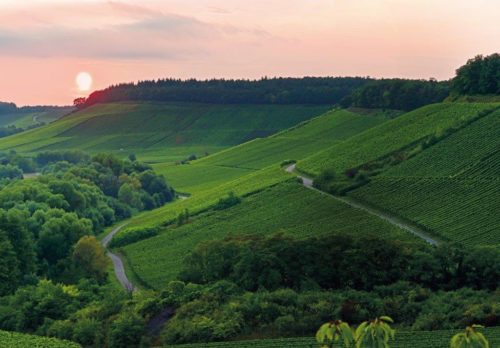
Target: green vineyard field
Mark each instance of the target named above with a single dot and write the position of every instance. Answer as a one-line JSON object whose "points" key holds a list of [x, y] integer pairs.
{"points": [[404, 339], [391, 136], [149, 129], [287, 207]]}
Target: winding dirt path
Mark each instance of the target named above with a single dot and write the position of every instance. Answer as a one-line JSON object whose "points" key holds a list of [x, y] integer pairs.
{"points": [[117, 261], [391, 218]]}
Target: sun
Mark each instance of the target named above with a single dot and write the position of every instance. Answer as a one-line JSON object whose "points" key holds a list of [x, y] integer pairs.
{"points": [[84, 81]]}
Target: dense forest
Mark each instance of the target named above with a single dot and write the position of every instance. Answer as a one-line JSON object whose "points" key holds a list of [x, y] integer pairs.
{"points": [[481, 75], [397, 94], [308, 90], [75, 196]]}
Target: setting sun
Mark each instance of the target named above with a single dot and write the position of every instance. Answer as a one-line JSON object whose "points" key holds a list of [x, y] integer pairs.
{"points": [[84, 81]]}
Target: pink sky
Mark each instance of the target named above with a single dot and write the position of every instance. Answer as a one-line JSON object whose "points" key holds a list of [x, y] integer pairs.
{"points": [[45, 43]]}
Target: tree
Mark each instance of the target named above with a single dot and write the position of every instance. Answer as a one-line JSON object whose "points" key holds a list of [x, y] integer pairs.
{"points": [[126, 331], [375, 333], [9, 269], [469, 339], [79, 102], [90, 256], [335, 333]]}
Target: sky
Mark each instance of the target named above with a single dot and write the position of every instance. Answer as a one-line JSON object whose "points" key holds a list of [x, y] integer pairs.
{"points": [[44, 44]]}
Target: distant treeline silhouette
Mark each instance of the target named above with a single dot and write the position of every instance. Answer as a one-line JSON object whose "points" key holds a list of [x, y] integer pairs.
{"points": [[357, 91]]}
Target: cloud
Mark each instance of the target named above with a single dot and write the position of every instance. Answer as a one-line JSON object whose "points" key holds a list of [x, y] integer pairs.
{"points": [[117, 30]]}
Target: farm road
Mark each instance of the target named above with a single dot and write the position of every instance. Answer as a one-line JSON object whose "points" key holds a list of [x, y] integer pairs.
{"points": [[391, 218]]}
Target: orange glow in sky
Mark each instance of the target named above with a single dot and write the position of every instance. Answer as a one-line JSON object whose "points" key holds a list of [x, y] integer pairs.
{"points": [[45, 44]]}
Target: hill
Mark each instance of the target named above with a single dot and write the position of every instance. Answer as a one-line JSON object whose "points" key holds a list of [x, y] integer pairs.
{"points": [[287, 207], [295, 143], [161, 132], [392, 136], [450, 188], [18, 340]]}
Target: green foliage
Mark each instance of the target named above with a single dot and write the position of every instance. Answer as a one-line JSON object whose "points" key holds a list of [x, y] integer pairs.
{"points": [[404, 339], [132, 235], [397, 94], [89, 256], [391, 136], [480, 75], [126, 331], [158, 260], [227, 202], [18, 340], [375, 333], [183, 218], [335, 333], [471, 338], [120, 128], [307, 90]]}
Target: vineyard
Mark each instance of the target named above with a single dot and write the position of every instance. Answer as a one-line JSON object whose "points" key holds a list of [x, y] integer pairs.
{"points": [[456, 155], [391, 136], [451, 188], [148, 129], [461, 210], [300, 212], [295, 143], [18, 340], [404, 339]]}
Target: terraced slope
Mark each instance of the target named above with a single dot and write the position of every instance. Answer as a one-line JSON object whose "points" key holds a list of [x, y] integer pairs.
{"points": [[451, 188], [18, 340], [161, 131], [404, 339], [297, 142], [287, 207], [391, 136]]}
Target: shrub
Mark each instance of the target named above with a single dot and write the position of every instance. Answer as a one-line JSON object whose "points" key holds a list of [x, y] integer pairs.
{"points": [[132, 235]]}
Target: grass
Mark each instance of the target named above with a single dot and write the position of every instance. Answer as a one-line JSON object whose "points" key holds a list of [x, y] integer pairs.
{"points": [[403, 339], [18, 340], [391, 136], [161, 131], [287, 207]]}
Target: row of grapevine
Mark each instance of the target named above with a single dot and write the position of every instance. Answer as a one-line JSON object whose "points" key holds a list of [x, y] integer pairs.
{"points": [[404, 339], [455, 209]]}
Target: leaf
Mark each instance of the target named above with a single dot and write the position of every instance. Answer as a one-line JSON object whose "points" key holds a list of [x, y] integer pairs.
{"points": [[387, 319]]}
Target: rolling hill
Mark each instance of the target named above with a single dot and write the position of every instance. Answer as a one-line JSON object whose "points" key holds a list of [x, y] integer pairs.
{"points": [[160, 132], [451, 188], [295, 143]]}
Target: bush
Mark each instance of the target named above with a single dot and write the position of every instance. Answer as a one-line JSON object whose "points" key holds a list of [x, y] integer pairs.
{"points": [[227, 202], [132, 235]]}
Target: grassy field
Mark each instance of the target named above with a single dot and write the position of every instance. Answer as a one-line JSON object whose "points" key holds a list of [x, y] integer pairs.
{"points": [[403, 339], [26, 119], [391, 136], [296, 143], [18, 340], [451, 188], [161, 131], [288, 207]]}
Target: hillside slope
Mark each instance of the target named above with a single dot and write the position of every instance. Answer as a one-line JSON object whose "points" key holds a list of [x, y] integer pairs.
{"points": [[161, 131], [392, 136], [295, 143], [451, 188]]}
